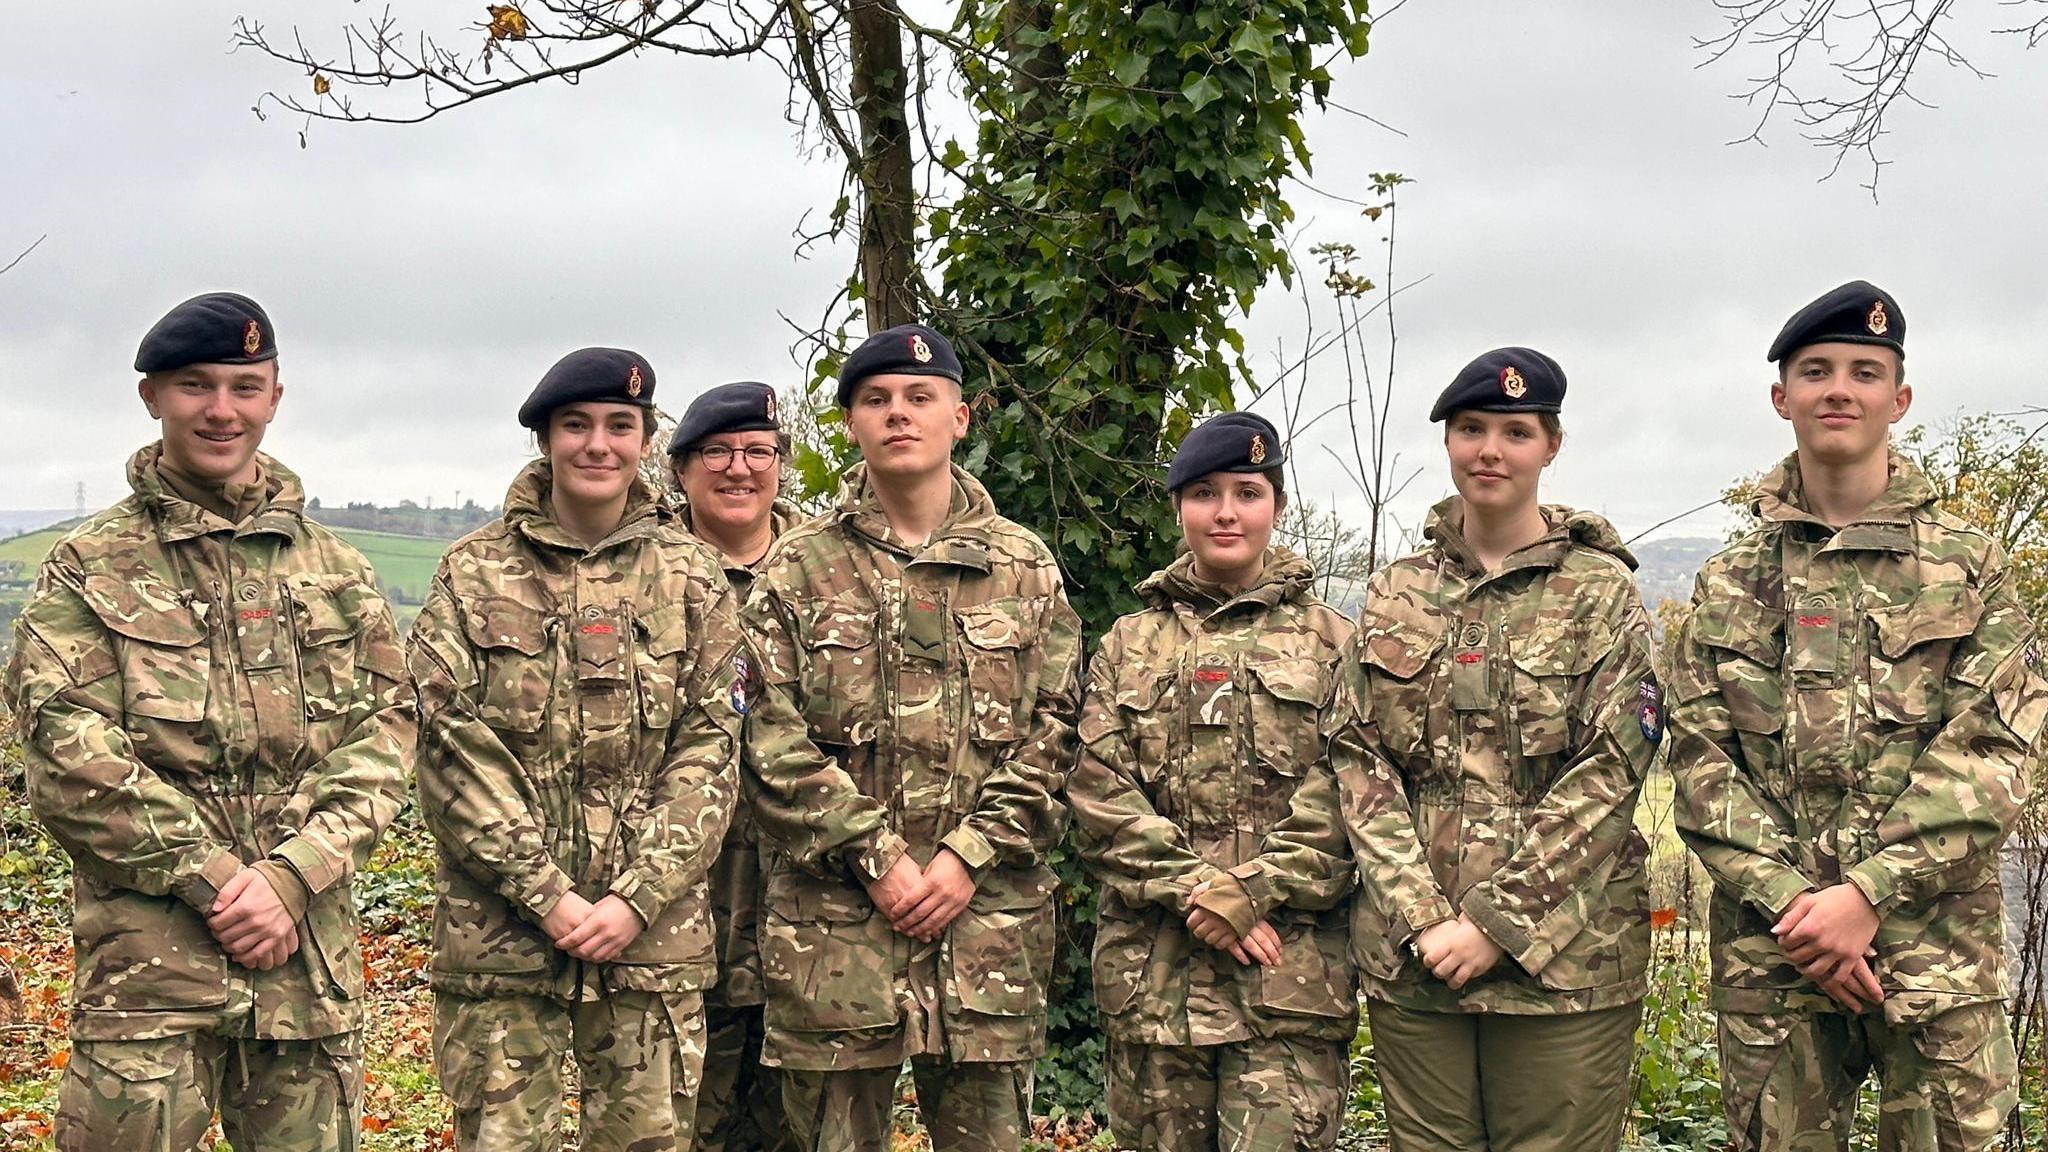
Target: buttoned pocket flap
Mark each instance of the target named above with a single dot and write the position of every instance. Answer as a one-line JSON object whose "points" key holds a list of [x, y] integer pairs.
{"points": [[1400, 648], [665, 631], [1742, 626], [143, 610], [1944, 611], [503, 623]]}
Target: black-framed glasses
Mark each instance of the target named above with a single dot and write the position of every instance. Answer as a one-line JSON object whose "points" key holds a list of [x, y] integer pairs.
{"points": [[719, 457]]}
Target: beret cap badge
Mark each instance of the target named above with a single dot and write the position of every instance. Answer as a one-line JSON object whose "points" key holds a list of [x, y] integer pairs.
{"points": [[1877, 321], [252, 338], [768, 406], [633, 382], [919, 350], [1258, 449], [1511, 382]]}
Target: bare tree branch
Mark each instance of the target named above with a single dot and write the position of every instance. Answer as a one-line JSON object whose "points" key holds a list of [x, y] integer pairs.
{"points": [[24, 254]]}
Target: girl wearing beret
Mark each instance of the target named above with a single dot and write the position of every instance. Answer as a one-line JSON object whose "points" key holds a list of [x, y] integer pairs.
{"points": [[1492, 726], [582, 684], [1204, 805]]}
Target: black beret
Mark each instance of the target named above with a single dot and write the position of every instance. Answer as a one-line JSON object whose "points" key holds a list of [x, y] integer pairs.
{"points": [[906, 349], [1504, 380], [596, 375], [748, 406], [217, 328], [1232, 442], [1858, 312]]}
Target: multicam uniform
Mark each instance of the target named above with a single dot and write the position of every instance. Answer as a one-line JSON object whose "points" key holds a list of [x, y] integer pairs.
{"points": [[195, 695], [1490, 738], [918, 698], [1858, 704], [739, 1103], [1200, 763], [580, 717]]}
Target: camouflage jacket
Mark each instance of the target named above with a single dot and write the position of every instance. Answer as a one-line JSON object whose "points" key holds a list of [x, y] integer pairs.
{"points": [[916, 698], [193, 696], [1856, 705], [736, 874], [1490, 737], [1201, 761], [579, 730]]}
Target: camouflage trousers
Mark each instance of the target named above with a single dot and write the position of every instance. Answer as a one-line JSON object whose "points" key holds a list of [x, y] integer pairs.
{"points": [[639, 1054], [1789, 1080], [1267, 1095], [739, 1106], [964, 1107], [1492, 1082], [160, 1095]]}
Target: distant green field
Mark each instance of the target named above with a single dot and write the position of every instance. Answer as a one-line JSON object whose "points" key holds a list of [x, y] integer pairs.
{"points": [[405, 564]]}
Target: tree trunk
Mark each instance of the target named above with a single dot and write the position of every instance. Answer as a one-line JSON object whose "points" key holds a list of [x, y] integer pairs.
{"points": [[888, 219]]}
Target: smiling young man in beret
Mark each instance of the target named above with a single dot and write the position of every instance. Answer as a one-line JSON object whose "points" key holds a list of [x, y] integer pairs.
{"points": [[217, 728], [1857, 699], [904, 765]]}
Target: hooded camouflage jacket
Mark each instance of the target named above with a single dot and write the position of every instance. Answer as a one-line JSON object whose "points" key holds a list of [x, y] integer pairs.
{"points": [[1856, 705], [917, 699], [580, 714], [1490, 738], [736, 874], [193, 696], [1200, 756]]}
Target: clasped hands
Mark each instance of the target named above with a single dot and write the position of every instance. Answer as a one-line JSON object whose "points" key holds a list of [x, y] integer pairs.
{"points": [[923, 902], [1827, 934], [251, 923]]}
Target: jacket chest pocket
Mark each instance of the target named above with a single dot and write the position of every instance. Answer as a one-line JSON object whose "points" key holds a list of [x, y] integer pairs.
{"points": [[842, 670], [510, 640], [1287, 698], [1745, 641], [662, 635], [163, 656], [1145, 706], [1909, 654], [1547, 664], [328, 631], [995, 641], [1402, 657]]}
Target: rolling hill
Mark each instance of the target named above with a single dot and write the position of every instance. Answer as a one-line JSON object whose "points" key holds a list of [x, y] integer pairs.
{"points": [[404, 564]]}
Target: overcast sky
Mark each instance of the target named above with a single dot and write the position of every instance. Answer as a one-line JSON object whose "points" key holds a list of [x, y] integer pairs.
{"points": [[1573, 191]]}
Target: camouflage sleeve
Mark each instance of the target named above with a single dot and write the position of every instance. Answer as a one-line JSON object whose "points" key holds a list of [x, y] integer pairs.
{"points": [[690, 803], [801, 800], [1544, 894], [1131, 848], [478, 804], [350, 797], [1017, 816], [1966, 789], [1391, 867], [120, 822], [1721, 813]]}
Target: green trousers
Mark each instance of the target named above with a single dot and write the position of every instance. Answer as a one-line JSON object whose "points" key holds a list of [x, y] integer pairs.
{"points": [[1789, 1080], [640, 1055], [1268, 1095], [160, 1095], [1491, 1082], [965, 1107]]}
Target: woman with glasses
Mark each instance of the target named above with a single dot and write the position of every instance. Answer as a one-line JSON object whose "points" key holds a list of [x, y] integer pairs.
{"points": [[726, 459]]}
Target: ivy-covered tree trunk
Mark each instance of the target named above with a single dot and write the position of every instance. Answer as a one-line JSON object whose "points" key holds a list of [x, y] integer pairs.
{"points": [[1122, 206]]}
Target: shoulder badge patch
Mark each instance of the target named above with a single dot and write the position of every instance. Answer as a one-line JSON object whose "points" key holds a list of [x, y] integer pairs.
{"points": [[1511, 382], [633, 384], [1258, 449], [1650, 711], [252, 338], [1877, 321], [919, 350], [742, 681]]}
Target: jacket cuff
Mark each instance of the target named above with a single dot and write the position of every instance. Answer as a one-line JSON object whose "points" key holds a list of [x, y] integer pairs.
{"points": [[638, 891], [317, 869], [881, 854], [540, 897], [971, 847], [1876, 883], [1504, 932], [201, 889], [1778, 889], [1427, 913], [284, 880], [1226, 897]]}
